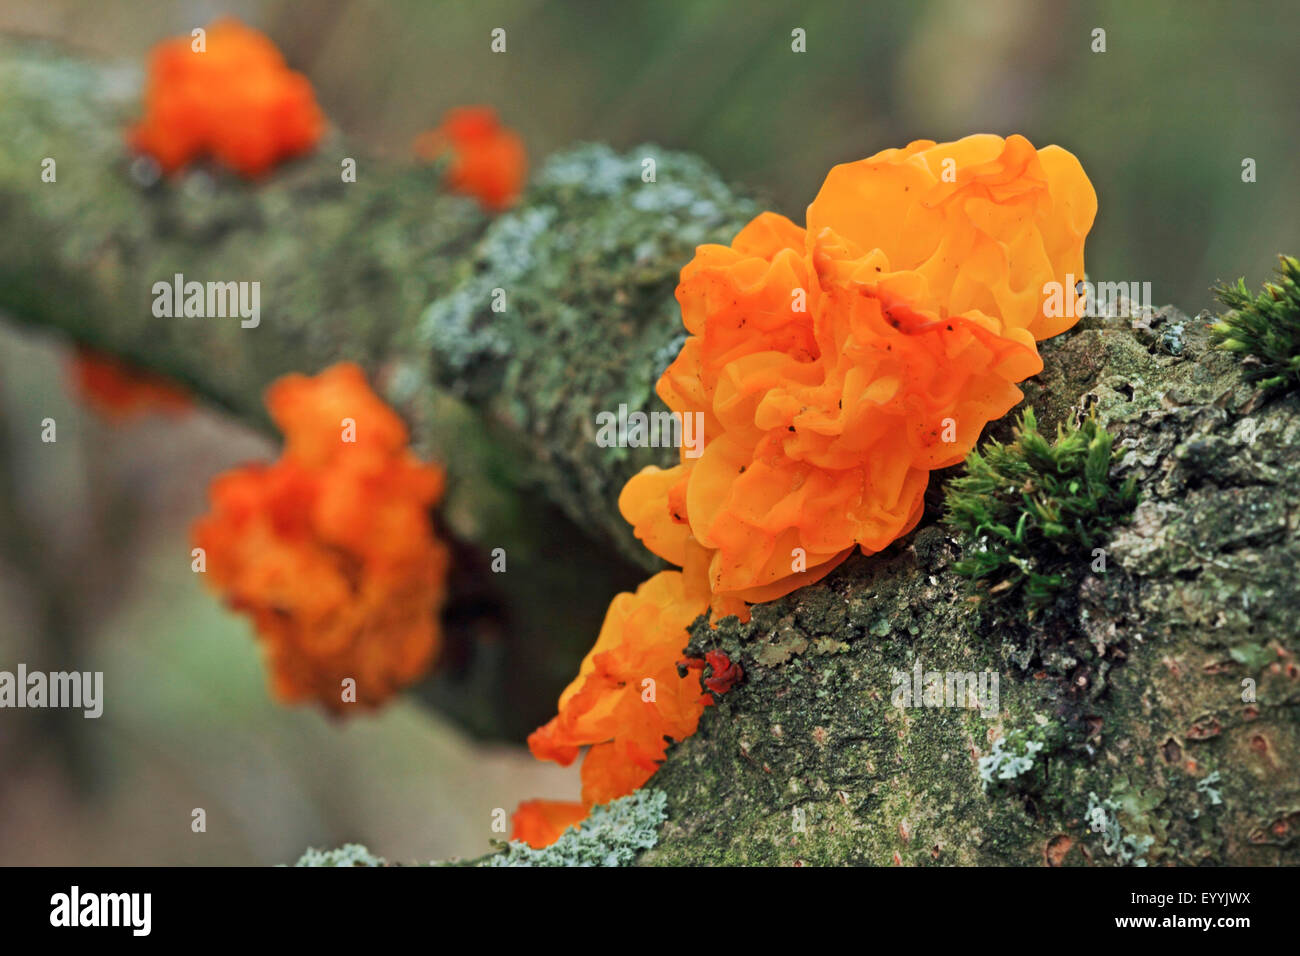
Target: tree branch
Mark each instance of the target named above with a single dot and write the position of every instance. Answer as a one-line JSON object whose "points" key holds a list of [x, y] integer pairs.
{"points": [[386, 271], [390, 272]]}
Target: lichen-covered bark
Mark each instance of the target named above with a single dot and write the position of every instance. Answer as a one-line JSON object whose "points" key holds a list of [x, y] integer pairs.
{"points": [[1132, 684], [586, 270]]}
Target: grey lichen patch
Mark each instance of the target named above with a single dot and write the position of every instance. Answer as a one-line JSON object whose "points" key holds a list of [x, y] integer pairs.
{"points": [[1136, 689], [614, 834], [1012, 760], [350, 854], [504, 255], [1207, 787]]}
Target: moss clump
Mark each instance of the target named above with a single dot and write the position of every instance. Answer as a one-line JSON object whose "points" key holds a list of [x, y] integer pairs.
{"points": [[1031, 510], [1264, 327]]}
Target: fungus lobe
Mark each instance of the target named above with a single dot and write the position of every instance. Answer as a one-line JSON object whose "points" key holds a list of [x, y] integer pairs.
{"points": [[117, 391]]}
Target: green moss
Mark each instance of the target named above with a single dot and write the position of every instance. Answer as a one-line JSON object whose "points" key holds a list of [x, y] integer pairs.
{"points": [[1265, 328], [1028, 509]]}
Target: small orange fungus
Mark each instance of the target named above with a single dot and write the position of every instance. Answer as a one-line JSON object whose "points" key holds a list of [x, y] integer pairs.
{"points": [[629, 697], [231, 97], [540, 823], [488, 160]]}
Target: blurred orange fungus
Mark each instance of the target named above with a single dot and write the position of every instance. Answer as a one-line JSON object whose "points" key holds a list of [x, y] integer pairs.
{"points": [[487, 159], [835, 365], [233, 99], [331, 550], [117, 391]]}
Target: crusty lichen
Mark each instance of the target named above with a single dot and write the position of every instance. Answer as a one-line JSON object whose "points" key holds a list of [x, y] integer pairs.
{"points": [[1103, 818], [565, 309], [612, 835], [350, 854], [1012, 760]]}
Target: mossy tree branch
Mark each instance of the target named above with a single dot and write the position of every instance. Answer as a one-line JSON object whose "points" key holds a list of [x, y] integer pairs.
{"points": [[1130, 690], [389, 272]]}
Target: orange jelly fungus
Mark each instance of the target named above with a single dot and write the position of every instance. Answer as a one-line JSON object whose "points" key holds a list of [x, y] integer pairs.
{"points": [[117, 391], [540, 823], [331, 550], [835, 366], [628, 695], [487, 159], [235, 100]]}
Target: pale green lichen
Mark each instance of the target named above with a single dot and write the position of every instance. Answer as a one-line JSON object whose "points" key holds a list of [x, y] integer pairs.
{"points": [[505, 255], [586, 267], [1009, 760], [1206, 786], [1103, 818], [350, 854], [612, 835]]}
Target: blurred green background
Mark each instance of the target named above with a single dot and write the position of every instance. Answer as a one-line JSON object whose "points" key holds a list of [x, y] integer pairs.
{"points": [[1162, 121]]}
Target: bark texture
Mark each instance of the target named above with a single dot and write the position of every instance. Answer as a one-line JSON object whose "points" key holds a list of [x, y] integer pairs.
{"points": [[1130, 688]]}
